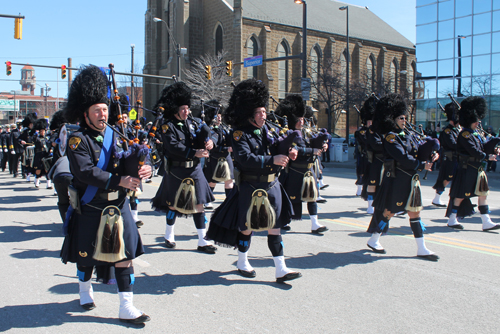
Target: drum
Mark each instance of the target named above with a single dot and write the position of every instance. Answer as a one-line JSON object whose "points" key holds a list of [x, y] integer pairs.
{"points": [[47, 163]]}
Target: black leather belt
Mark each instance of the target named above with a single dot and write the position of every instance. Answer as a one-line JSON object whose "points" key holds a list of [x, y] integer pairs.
{"points": [[258, 178], [301, 165], [185, 164]]}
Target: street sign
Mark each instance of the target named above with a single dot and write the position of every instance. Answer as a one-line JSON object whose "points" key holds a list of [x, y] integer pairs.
{"points": [[305, 84], [132, 114], [252, 61]]}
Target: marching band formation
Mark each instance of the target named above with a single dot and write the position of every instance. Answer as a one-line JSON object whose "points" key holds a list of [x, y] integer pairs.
{"points": [[268, 161]]}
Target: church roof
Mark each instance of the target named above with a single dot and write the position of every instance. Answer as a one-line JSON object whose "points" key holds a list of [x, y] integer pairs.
{"points": [[325, 16], [27, 67]]}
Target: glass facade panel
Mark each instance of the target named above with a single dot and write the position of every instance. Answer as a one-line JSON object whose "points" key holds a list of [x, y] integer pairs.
{"points": [[446, 30], [466, 65], [466, 86], [445, 87], [427, 33], [463, 26], [426, 52], [430, 89], [463, 7], [495, 63], [495, 84], [482, 6], [482, 44], [427, 69], [480, 65], [424, 2], [496, 42], [464, 47], [445, 49], [482, 23], [427, 14], [446, 10], [481, 86], [445, 67], [496, 21], [496, 4]]}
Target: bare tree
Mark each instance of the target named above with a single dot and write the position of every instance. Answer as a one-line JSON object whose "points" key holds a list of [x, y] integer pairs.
{"points": [[219, 87], [328, 88]]}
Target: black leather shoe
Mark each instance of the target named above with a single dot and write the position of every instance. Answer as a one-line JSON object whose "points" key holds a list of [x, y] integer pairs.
{"points": [[286, 228], [289, 277], [247, 274], [439, 205], [324, 187], [88, 306], [139, 223], [169, 244], [379, 251], [496, 227], [430, 257], [209, 249], [320, 230], [321, 200], [140, 320], [456, 226]]}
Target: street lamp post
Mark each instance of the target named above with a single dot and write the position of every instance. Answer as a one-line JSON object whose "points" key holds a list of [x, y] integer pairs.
{"points": [[459, 74], [348, 60], [304, 36], [176, 46]]}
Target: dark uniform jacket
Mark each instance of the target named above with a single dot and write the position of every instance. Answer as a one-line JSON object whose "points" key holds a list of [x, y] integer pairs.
{"points": [[401, 164]]}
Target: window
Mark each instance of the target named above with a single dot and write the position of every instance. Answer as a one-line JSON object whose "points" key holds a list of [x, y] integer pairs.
{"points": [[282, 70], [315, 56], [393, 84], [370, 74], [218, 40], [252, 50]]}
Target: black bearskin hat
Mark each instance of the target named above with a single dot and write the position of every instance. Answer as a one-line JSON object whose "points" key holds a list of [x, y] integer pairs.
{"points": [[212, 108], [89, 87], [57, 120], [247, 96], [41, 124], [172, 97], [473, 109], [113, 109], [29, 119], [292, 107], [451, 112], [388, 108], [368, 109]]}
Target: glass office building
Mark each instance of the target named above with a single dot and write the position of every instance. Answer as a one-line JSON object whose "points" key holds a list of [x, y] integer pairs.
{"points": [[458, 53]]}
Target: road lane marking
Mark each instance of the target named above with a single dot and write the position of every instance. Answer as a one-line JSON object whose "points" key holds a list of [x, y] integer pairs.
{"points": [[433, 238]]}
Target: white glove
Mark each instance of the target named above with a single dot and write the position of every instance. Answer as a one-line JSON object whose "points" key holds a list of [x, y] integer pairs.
{"points": [[12, 152], [5, 150]]}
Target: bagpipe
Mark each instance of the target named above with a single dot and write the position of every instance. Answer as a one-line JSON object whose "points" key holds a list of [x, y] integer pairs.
{"points": [[134, 153], [202, 132], [490, 143]]}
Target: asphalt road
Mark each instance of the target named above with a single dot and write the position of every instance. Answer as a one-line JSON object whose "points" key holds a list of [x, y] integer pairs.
{"points": [[345, 288]]}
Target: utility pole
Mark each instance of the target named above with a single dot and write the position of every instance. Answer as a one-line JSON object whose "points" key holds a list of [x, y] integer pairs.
{"points": [[132, 93]]}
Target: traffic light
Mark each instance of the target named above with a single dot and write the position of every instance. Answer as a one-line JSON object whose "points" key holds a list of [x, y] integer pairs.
{"points": [[208, 72], [63, 71], [9, 67], [18, 28], [229, 68]]}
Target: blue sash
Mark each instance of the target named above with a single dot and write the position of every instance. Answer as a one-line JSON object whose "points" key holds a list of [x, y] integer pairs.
{"points": [[92, 190]]}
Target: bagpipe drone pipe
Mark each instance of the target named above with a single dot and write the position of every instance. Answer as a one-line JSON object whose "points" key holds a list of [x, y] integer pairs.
{"points": [[427, 146]]}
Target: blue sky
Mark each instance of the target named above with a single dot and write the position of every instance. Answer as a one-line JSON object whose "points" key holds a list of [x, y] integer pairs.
{"points": [[101, 32]]}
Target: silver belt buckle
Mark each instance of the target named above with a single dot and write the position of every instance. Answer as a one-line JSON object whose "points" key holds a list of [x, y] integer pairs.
{"points": [[113, 196], [270, 178], [189, 164], [309, 166]]}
